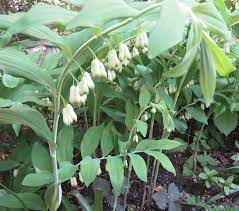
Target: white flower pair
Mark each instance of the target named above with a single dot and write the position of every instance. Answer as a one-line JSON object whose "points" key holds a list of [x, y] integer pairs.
{"points": [[142, 42], [97, 69], [69, 115], [113, 61], [124, 54]]}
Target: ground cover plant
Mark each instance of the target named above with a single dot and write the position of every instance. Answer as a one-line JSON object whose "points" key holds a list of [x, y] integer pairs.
{"points": [[119, 105]]}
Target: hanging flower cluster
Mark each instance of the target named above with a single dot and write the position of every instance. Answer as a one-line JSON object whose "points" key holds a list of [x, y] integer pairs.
{"points": [[78, 95]]}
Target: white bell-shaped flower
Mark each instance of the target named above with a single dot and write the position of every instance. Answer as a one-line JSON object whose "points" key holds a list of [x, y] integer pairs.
{"points": [[69, 115], [142, 41], [95, 68], [146, 40], [113, 61], [103, 73], [73, 182], [83, 86], [72, 95], [111, 75], [135, 52], [121, 52], [127, 54], [89, 80]]}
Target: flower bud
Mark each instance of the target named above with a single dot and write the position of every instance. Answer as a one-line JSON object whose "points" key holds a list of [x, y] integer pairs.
{"points": [[153, 110], [135, 52], [202, 106], [136, 138], [73, 182], [126, 163], [145, 117], [72, 95], [15, 172], [121, 52], [137, 85], [89, 80], [83, 86], [188, 116], [95, 68], [157, 98], [172, 89]]}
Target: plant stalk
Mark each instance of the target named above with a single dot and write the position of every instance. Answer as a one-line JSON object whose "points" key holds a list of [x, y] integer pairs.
{"points": [[127, 184], [148, 162]]}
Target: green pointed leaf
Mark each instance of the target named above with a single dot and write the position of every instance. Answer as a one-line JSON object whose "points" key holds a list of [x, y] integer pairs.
{"points": [[163, 144], [65, 145], [10, 81], [16, 63], [66, 171], [222, 63], [226, 122], [99, 13], [139, 166], [27, 116], [130, 114], [115, 168], [144, 97], [38, 179], [194, 39], [91, 140], [142, 127], [5, 102], [107, 140], [163, 159], [41, 159], [6, 165], [169, 29], [207, 74], [197, 114], [211, 17], [88, 169], [31, 200], [42, 14], [51, 201]]}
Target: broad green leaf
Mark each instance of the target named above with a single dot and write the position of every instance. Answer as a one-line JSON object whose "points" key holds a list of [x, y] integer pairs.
{"points": [[197, 114], [96, 13], [130, 114], [40, 158], [42, 14], [65, 145], [207, 74], [6, 165], [91, 140], [107, 140], [66, 171], [144, 97], [27, 116], [163, 144], [226, 122], [142, 127], [88, 169], [195, 35], [222, 63], [16, 63], [38, 179], [230, 18], [211, 17], [163, 159], [115, 114], [10, 81], [169, 29], [139, 166], [31, 200], [5, 102], [114, 166]]}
